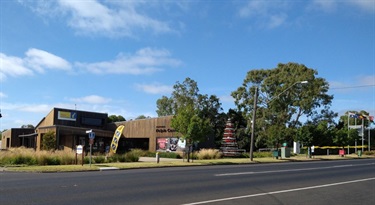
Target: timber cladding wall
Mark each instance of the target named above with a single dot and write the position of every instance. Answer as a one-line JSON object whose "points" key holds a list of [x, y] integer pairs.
{"points": [[149, 128]]}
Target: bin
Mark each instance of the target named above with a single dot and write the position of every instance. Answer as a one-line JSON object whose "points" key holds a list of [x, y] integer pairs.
{"points": [[276, 154], [342, 152], [285, 152], [359, 153]]}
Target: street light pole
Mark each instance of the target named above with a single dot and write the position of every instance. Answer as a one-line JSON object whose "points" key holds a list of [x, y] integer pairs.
{"points": [[255, 111]]}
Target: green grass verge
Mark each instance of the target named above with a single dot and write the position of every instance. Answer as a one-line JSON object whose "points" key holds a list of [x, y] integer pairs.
{"points": [[174, 163]]}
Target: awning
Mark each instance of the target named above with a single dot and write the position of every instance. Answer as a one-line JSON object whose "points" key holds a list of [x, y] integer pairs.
{"points": [[29, 135]]}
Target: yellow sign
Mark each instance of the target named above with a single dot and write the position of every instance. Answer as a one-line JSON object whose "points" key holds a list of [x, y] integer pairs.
{"points": [[67, 115], [116, 138]]}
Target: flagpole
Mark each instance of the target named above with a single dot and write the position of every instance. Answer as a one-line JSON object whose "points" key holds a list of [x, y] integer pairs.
{"points": [[348, 129], [363, 134]]}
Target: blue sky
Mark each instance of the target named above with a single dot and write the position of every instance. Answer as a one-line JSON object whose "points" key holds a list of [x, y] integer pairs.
{"points": [[119, 57]]}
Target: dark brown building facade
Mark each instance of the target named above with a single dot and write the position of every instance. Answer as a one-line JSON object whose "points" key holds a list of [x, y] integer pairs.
{"points": [[17, 137]]}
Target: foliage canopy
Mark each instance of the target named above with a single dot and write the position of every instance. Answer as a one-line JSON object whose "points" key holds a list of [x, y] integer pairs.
{"points": [[283, 100]]}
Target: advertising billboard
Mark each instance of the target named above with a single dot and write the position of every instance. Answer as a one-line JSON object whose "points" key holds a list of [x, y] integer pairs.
{"points": [[67, 115], [170, 144]]}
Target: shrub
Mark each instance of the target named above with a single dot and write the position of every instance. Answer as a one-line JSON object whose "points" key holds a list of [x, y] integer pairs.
{"points": [[172, 155], [208, 154], [121, 158], [65, 157], [140, 152], [18, 156], [262, 154], [372, 152], [53, 160], [112, 158], [49, 141], [131, 157], [256, 155], [86, 160], [26, 160], [99, 159]]}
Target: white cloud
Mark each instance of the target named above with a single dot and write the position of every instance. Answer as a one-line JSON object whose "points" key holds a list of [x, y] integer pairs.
{"points": [[40, 60], [35, 60], [273, 14], [104, 18], [144, 61], [91, 99], [323, 5], [366, 80], [38, 108], [12, 66], [3, 95], [227, 98], [333, 5], [277, 20], [367, 5], [359, 84], [155, 88], [269, 14]]}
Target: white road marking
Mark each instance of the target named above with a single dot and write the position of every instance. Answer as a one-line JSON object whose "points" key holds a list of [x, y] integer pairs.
{"points": [[279, 192], [289, 170]]}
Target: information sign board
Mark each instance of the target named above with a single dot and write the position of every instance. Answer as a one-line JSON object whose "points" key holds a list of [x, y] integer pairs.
{"points": [[79, 149]]}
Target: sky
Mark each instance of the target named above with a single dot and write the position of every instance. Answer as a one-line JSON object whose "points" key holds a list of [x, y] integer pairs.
{"points": [[120, 57]]}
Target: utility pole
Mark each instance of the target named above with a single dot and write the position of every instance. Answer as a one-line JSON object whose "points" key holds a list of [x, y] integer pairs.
{"points": [[255, 112], [253, 123]]}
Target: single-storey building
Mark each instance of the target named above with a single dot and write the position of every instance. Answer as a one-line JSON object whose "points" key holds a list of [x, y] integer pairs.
{"points": [[70, 126], [17, 137]]}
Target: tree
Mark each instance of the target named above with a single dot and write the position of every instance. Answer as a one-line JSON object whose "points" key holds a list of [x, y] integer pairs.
{"points": [[192, 127], [164, 106], [142, 117], [49, 141], [345, 133], [115, 118], [195, 115], [27, 126], [282, 100], [344, 137], [317, 133]]}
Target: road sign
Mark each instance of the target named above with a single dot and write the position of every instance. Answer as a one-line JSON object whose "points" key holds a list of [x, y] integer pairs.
{"points": [[92, 135]]}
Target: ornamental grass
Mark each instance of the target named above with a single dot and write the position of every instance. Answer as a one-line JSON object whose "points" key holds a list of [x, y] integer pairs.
{"points": [[208, 154]]}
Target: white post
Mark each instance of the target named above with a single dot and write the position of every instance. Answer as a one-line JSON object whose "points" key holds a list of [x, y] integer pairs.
{"points": [[296, 148]]}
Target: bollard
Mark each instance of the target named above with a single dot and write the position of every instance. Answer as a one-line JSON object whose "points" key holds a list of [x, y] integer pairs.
{"points": [[157, 157]]}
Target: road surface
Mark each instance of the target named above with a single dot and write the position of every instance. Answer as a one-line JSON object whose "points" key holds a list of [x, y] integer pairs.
{"points": [[324, 182]]}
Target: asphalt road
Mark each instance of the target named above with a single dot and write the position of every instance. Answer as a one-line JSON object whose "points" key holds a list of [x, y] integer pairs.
{"points": [[324, 182]]}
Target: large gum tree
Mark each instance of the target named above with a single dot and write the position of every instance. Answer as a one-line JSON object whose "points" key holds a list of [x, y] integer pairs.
{"points": [[282, 101]]}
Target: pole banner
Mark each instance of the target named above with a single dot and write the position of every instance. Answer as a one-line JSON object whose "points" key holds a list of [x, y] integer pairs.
{"points": [[116, 138]]}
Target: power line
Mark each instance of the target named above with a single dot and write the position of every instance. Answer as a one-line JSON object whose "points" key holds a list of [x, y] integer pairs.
{"points": [[358, 86]]}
